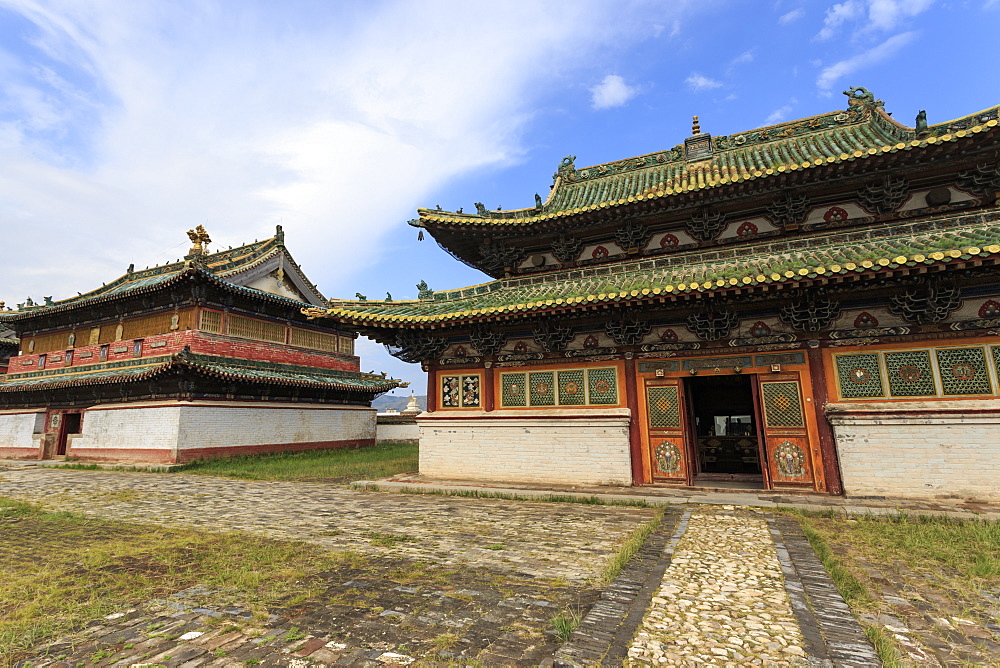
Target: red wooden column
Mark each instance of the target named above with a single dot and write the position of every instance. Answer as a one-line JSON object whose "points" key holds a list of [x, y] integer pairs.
{"points": [[432, 397], [634, 436], [827, 442], [489, 396]]}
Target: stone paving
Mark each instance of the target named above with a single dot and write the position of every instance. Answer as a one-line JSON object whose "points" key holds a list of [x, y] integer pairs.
{"points": [[568, 541], [715, 585], [722, 599]]}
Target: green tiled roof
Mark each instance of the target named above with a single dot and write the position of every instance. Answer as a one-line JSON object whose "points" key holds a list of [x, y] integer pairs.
{"points": [[862, 131], [140, 286], [217, 265], [209, 365], [941, 240]]}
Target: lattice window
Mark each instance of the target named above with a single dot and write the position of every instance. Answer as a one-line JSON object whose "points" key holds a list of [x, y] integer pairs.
{"points": [[860, 376], [149, 325], [782, 404], [451, 392], [963, 371], [305, 338], [910, 373], [250, 328], [346, 345], [602, 385], [512, 389], [211, 321], [663, 406], [541, 388], [572, 391]]}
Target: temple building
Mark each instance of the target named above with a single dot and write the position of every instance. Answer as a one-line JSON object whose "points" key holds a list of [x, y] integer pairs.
{"points": [[208, 356], [811, 306]]}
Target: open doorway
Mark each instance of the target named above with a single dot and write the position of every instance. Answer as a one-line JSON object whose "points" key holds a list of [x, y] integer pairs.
{"points": [[725, 429]]}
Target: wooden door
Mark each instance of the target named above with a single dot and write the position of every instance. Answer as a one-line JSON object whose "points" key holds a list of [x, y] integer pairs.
{"points": [[785, 432], [666, 418]]}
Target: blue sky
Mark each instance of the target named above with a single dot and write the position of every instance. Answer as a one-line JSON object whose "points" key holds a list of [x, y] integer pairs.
{"points": [[125, 123]]}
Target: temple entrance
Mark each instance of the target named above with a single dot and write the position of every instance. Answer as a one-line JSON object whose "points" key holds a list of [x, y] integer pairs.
{"points": [[738, 429], [725, 428]]}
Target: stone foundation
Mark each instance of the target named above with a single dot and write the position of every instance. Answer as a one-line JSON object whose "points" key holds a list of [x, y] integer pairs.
{"points": [[565, 446], [914, 449]]}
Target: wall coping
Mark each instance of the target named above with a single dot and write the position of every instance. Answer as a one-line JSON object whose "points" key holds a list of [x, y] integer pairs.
{"points": [[530, 414]]}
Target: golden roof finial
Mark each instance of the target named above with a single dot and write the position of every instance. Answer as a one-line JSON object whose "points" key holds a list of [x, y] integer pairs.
{"points": [[199, 241], [695, 128]]}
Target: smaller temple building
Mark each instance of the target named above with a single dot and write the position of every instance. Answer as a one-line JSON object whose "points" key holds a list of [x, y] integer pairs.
{"points": [[204, 357]]}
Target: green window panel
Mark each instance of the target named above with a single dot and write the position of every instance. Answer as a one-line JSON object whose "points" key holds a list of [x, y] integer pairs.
{"points": [[860, 376], [664, 407], [782, 404], [910, 373], [450, 392], [572, 390], [602, 385], [541, 388], [512, 389], [963, 371]]}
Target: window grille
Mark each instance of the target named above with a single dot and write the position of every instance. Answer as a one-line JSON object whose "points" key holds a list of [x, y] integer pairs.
{"points": [[249, 328], [305, 338], [211, 321]]}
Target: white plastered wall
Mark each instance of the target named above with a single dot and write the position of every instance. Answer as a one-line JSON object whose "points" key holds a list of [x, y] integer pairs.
{"points": [[212, 426], [148, 427], [16, 430], [919, 449], [562, 446]]}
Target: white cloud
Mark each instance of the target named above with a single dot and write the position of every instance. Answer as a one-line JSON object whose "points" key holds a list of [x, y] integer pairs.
{"points": [[791, 16], [125, 124], [699, 82], [745, 57], [873, 15], [611, 92], [830, 75], [778, 115]]}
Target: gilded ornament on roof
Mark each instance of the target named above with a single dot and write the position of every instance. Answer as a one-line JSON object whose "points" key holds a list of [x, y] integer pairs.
{"points": [[199, 240]]}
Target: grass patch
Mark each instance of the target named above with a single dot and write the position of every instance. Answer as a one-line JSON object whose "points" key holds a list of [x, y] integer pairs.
{"points": [[629, 548], [957, 555], [61, 570], [387, 539], [342, 465], [848, 585], [566, 622], [968, 550]]}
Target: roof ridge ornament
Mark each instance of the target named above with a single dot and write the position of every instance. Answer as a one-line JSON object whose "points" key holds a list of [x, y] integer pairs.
{"points": [[695, 128], [199, 241], [862, 97]]}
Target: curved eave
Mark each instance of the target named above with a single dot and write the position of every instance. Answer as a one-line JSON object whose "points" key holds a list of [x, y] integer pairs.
{"points": [[801, 276], [85, 302], [178, 363], [213, 372], [432, 219]]}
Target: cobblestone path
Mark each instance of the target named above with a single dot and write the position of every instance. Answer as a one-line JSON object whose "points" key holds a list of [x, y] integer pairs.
{"points": [[722, 599], [712, 586], [569, 541]]}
